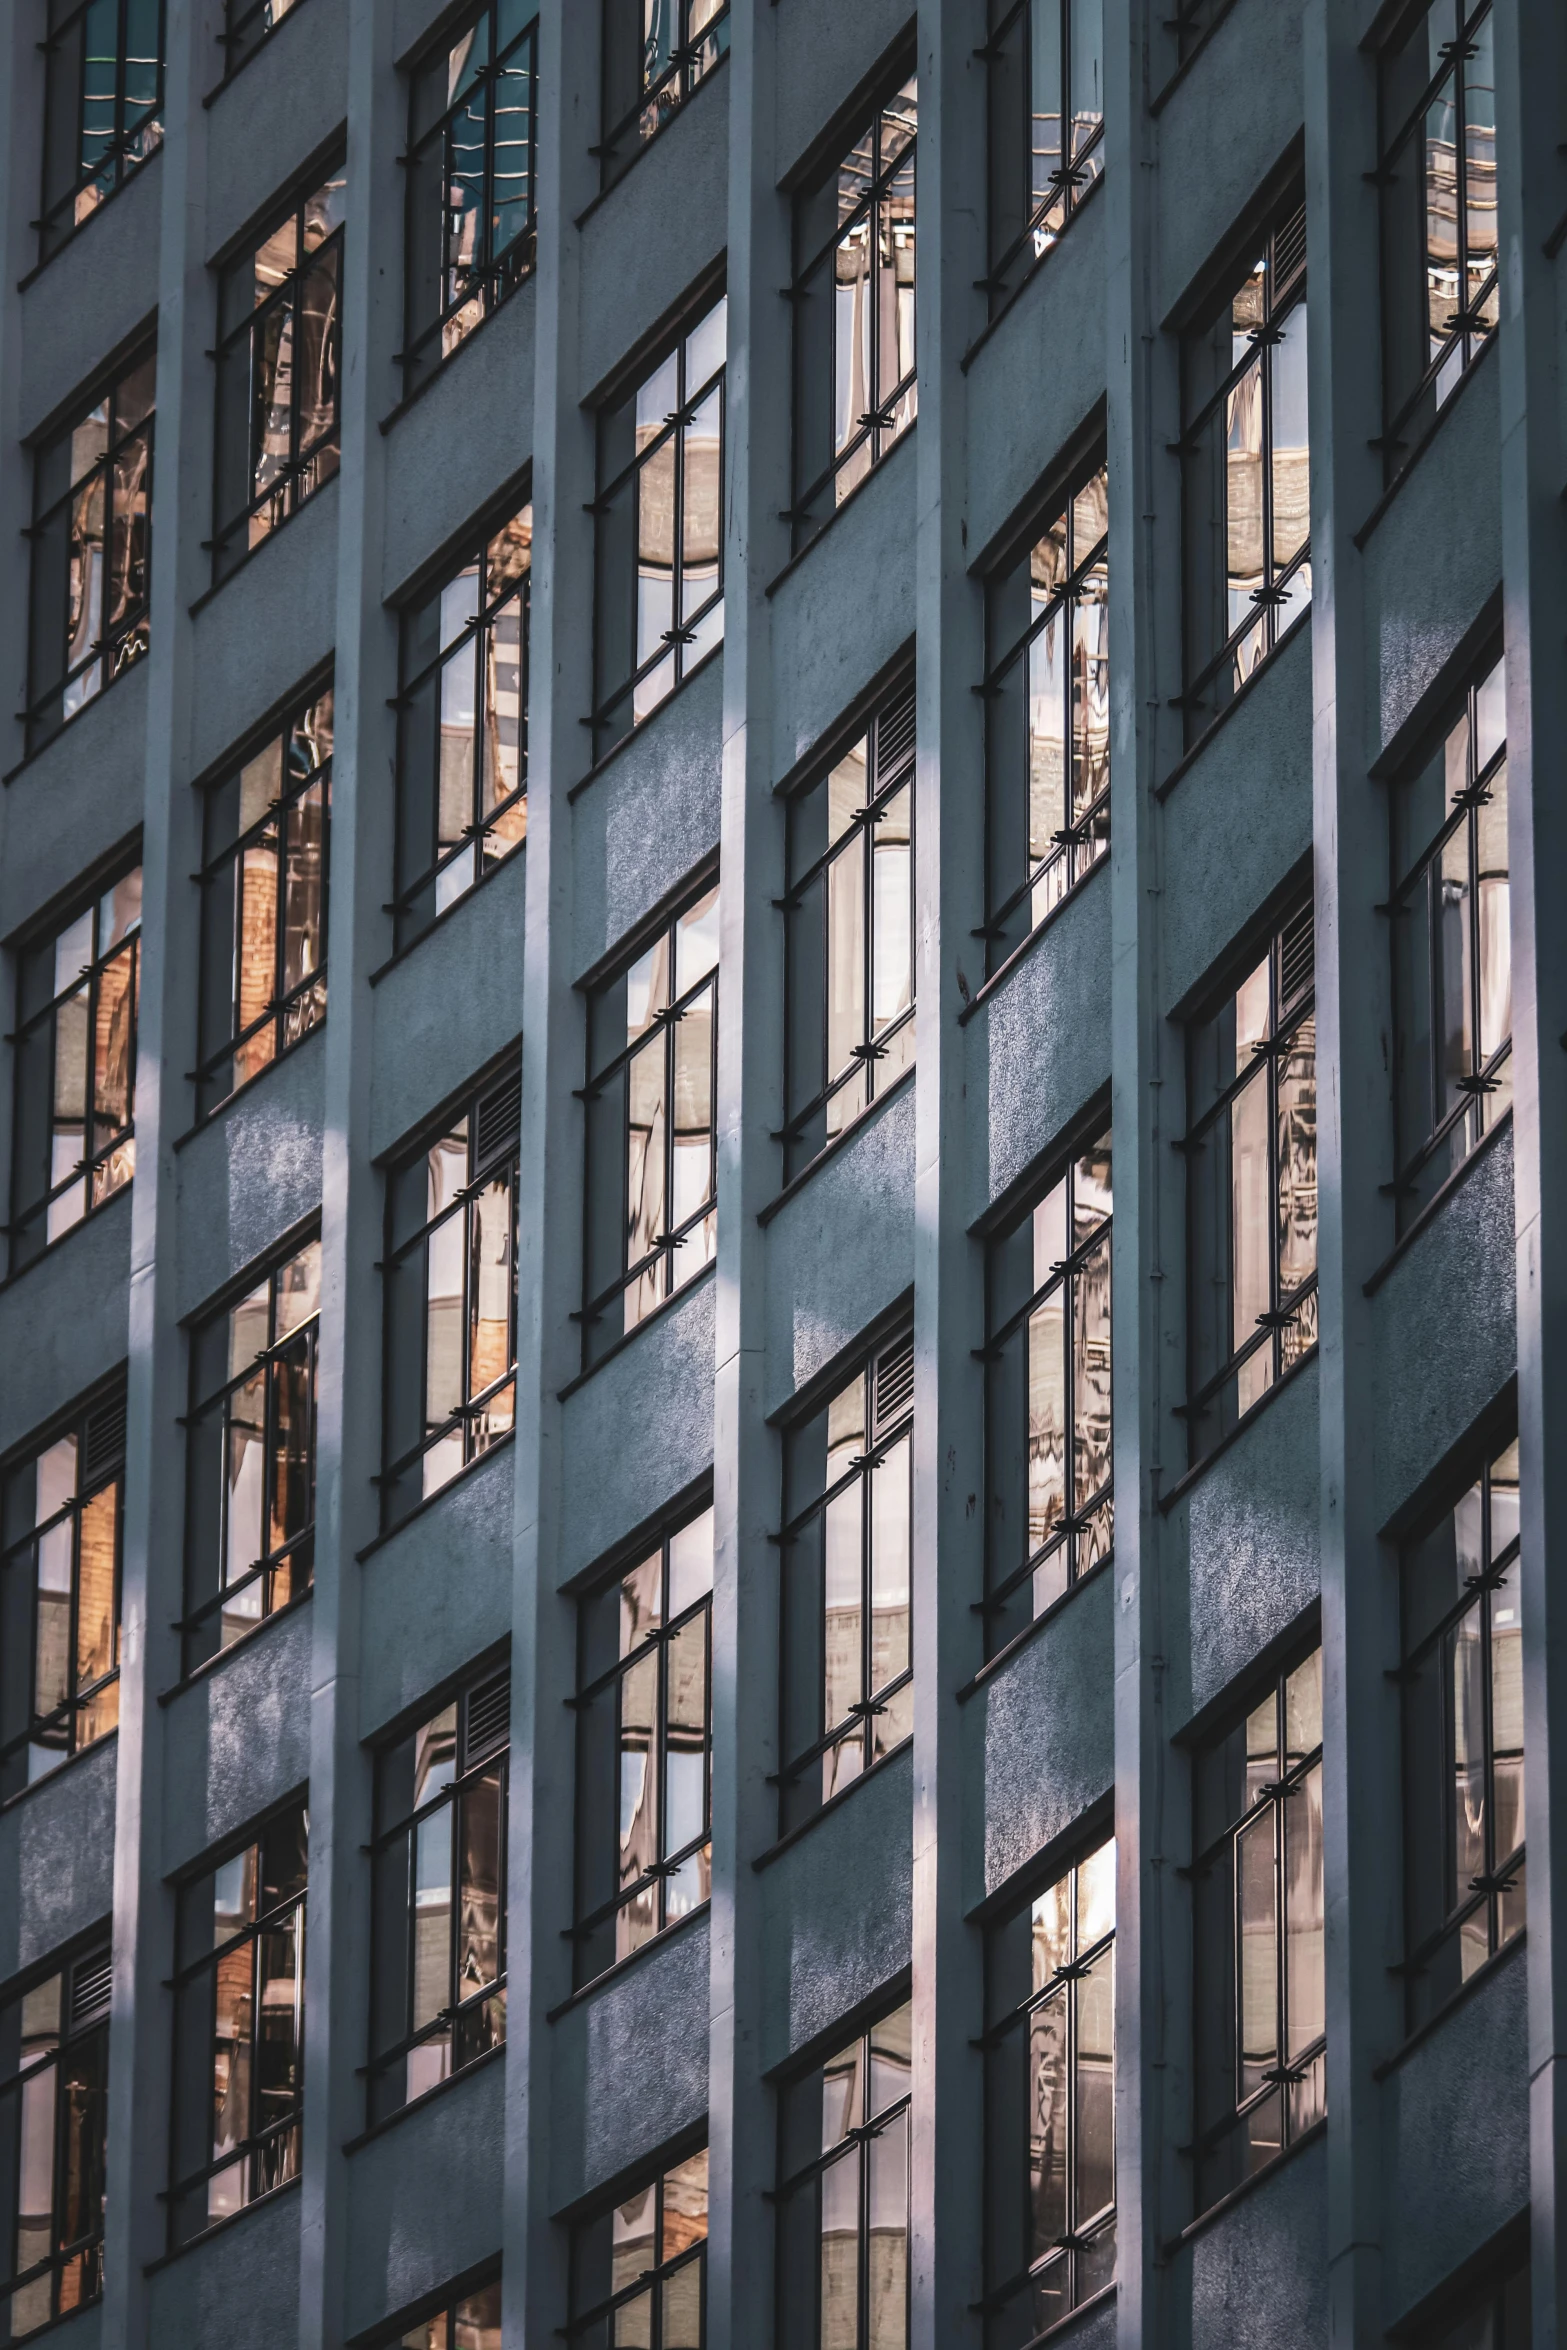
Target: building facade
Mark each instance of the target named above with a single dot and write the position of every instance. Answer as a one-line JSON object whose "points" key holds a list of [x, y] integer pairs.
{"points": [[782, 1347]]}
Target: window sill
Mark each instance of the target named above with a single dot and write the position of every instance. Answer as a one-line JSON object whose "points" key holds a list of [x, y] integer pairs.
{"points": [[82, 226], [647, 145], [858, 491], [1368, 528], [464, 2072], [637, 733], [765, 1860], [51, 1778], [630, 1337], [830, 1150], [1199, 1469], [52, 1248], [66, 724], [219, 2227], [1188, 759], [260, 548], [214, 1664], [1216, 2211], [1466, 1991], [388, 1533], [1435, 1204], [1025, 946], [1027, 279], [1020, 1640], [230, 77], [623, 1966], [219, 1109], [437, 374]]}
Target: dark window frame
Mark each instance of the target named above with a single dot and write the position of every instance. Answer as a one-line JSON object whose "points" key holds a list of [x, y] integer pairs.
{"points": [[82, 1979], [799, 2196], [239, 40], [128, 145], [888, 738], [295, 1009], [588, 2245], [477, 2308], [630, 125], [1033, 222]]}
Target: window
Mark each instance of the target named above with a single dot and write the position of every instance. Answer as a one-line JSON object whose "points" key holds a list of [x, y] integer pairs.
{"points": [[91, 549], [1050, 2103], [1048, 1396], [1251, 1185], [251, 1456], [843, 2206], [1463, 1738], [644, 1747], [849, 934], [1246, 476], [1440, 297], [639, 2272], [438, 1953], [1047, 709], [1501, 2319], [54, 2099], [462, 727], [854, 386], [451, 1298], [473, 2323], [249, 22], [74, 1144], [848, 1686], [1258, 1921], [279, 331], [265, 836], [103, 106], [1047, 117], [1452, 959], [239, 2027], [470, 178], [659, 542], [652, 1172], [655, 53], [60, 1630]]}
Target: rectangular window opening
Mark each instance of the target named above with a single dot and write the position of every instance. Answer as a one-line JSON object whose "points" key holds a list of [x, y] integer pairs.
{"points": [[639, 2270], [1046, 67], [54, 2099], [656, 52], [103, 106], [843, 2194]]}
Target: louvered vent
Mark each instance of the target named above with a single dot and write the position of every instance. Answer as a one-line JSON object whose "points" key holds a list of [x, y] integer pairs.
{"points": [[91, 1983], [489, 1716], [500, 1119], [105, 1446], [894, 1381], [1296, 957], [1289, 250], [894, 738]]}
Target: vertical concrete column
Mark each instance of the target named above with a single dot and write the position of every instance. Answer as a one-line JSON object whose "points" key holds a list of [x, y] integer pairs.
{"points": [[549, 1256], [21, 113], [1531, 60], [945, 2262], [152, 1585], [348, 1397], [746, 1481], [1151, 1665], [1354, 1152]]}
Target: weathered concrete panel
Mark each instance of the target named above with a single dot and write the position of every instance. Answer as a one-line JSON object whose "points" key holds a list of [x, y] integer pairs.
{"points": [[842, 1249], [252, 1172], [238, 1739], [629, 2065], [77, 800], [652, 815], [463, 981], [464, 437], [838, 1911], [1044, 1729], [637, 1432], [264, 127], [677, 192], [424, 2197], [1048, 1031], [63, 1323], [1260, 2273], [824, 51], [269, 625], [1226, 125], [97, 291], [239, 2287], [57, 1857], [437, 1592]]}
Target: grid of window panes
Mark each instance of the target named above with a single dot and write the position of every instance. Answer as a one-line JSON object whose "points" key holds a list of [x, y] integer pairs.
{"points": [[1251, 1186], [54, 2095], [1047, 716], [1048, 1422], [472, 2323], [849, 934], [848, 1686], [438, 1875], [1463, 1738], [1437, 171], [103, 106], [91, 550], [249, 22], [1258, 1924], [470, 178], [1452, 949], [644, 1748], [843, 2198], [659, 539], [854, 382], [239, 1994], [652, 1173], [1246, 476], [639, 2271], [74, 1144], [250, 1460], [63, 1516], [279, 336], [655, 54], [1047, 111], [451, 1299], [266, 831], [462, 727], [1050, 2103]]}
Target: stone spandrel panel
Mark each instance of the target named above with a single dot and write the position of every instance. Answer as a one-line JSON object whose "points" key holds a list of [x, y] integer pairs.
{"points": [[238, 1738], [1046, 1040], [640, 1430], [470, 964], [78, 800], [841, 1250], [437, 1591], [629, 2065], [1226, 124], [424, 2195], [650, 817], [57, 1858], [272, 622], [838, 1909], [65, 1319], [824, 51], [264, 127], [252, 1172], [1042, 1736], [648, 241], [1259, 2272], [239, 2287], [97, 291]]}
